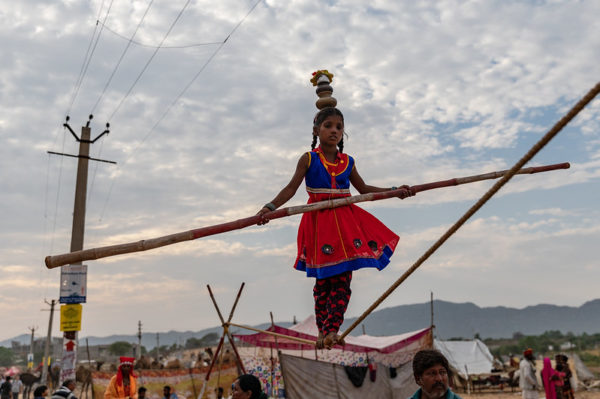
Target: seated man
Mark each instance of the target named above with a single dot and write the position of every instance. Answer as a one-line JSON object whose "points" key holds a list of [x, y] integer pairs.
{"points": [[431, 372]]}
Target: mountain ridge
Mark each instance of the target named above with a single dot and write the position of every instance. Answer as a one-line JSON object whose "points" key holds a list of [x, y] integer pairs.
{"points": [[451, 319]]}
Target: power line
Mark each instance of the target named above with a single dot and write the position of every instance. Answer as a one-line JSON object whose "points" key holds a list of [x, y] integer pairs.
{"points": [[185, 89], [87, 64], [154, 46], [149, 60], [122, 56]]}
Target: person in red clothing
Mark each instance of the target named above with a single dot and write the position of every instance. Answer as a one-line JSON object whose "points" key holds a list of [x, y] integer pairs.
{"points": [[332, 243]]}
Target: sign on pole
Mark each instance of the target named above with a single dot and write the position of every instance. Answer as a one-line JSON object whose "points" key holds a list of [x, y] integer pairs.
{"points": [[73, 281], [70, 317], [69, 356]]}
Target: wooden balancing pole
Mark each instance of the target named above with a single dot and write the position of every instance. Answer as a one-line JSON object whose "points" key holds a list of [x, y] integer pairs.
{"points": [[144, 245]]}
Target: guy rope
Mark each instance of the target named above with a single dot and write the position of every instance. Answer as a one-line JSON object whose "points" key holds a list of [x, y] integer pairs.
{"points": [[144, 245]]}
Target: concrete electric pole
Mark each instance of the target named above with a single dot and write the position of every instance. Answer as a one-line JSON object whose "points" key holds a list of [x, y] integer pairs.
{"points": [[74, 276]]}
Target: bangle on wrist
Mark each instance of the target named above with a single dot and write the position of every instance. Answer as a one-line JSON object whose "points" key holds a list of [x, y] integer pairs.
{"points": [[394, 188], [270, 206]]}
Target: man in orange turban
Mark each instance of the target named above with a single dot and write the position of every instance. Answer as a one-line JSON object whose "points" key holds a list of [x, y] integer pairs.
{"points": [[123, 384]]}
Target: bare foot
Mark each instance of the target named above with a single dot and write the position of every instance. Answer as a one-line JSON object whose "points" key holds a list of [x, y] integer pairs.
{"points": [[319, 344], [330, 340]]}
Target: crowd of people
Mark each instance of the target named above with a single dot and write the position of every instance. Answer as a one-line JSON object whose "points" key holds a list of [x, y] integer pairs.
{"points": [[556, 381], [431, 372]]}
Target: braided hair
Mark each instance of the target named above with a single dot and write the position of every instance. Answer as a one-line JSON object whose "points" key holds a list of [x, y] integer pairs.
{"points": [[320, 117]]}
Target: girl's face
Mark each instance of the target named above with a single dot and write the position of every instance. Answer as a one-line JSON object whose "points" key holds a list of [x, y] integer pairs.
{"points": [[330, 131], [237, 393]]}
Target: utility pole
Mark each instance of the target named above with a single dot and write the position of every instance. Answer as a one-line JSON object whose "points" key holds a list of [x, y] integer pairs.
{"points": [[45, 362], [73, 277], [139, 335], [157, 346], [30, 354], [431, 306]]}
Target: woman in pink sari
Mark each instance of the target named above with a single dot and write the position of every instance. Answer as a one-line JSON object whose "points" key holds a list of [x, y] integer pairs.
{"points": [[551, 379]]}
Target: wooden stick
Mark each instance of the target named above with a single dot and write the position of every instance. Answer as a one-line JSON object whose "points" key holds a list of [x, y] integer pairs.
{"points": [[144, 245]]}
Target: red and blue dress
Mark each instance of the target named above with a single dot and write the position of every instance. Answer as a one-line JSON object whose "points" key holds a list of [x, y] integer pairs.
{"points": [[343, 239]]}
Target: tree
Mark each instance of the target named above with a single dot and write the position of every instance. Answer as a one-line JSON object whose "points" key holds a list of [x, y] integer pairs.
{"points": [[6, 357], [207, 340], [120, 348], [193, 343]]}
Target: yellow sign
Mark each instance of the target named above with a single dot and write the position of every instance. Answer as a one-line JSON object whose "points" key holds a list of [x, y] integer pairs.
{"points": [[70, 317]]}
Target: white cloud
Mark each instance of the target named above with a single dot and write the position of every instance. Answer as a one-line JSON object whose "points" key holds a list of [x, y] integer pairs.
{"points": [[430, 91]]}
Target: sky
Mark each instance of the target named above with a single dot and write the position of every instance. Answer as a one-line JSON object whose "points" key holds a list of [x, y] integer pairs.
{"points": [[210, 107]]}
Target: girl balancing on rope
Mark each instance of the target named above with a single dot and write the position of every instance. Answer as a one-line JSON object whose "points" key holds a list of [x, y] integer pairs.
{"points": [[334, 242]]}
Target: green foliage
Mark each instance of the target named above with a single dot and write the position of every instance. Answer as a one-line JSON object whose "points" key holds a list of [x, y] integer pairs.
{"points": [[590, 359], [6, 357], [541, 344], [207, 340], [121, 348]]}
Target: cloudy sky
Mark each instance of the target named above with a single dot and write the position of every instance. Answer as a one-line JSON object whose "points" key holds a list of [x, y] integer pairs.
{"points": [[206, 130]]}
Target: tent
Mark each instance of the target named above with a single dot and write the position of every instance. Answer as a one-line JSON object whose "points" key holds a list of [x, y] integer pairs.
{"points": [[466, 357], [388, 350], [298, 363], [306, 378], [581, 371]]}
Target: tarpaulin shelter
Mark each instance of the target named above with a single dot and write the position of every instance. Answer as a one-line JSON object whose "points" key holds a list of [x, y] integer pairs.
{"points": [[262, 359], [12, 371], [307, 378], [389, 350], [467, 357]]}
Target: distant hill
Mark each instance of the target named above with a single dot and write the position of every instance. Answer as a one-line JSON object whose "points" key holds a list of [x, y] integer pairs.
{"points": [[452, 320]]}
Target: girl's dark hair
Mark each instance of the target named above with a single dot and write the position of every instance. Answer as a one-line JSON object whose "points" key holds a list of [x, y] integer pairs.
{"points": [[427, 358], [248, 382], [39, 391], [320, 117]]}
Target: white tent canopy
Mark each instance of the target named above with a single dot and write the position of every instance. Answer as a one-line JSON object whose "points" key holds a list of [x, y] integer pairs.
{"points": [[466, 357]]}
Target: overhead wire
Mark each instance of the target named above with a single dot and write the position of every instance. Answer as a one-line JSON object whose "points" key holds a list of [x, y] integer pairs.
{"points": [[87, 60], [149, 61], [121, 57], [183, 91], [154, 46], [130, 40]]}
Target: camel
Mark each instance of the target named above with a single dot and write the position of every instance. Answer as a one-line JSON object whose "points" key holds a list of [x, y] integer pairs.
{"points": [[28, 379], [53, 377], [84, 375]]}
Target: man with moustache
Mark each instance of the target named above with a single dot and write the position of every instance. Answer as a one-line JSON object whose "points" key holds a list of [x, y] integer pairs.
{"points": [[432, 371]]}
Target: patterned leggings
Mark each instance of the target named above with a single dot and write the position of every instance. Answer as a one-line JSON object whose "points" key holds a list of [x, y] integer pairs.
{"points": [[331, 295]]}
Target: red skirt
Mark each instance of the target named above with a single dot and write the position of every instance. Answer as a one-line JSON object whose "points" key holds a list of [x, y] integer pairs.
{"points": [[347, 238]]}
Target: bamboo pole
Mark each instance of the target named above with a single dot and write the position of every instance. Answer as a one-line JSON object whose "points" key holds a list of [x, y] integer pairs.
{"points": [[516, 169], [144, 245]]}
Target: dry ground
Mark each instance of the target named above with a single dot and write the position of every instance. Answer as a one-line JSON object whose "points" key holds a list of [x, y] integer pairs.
{"points": [[517, 395]]}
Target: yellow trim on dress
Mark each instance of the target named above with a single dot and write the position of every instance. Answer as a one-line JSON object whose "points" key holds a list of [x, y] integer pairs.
{"points": [[326, 162]]}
